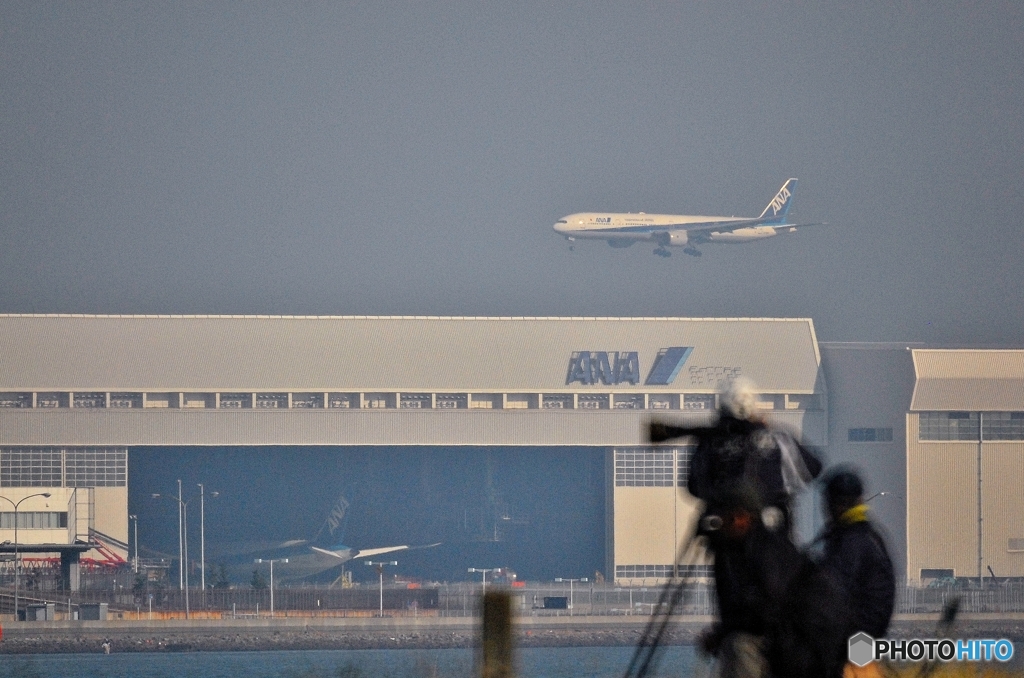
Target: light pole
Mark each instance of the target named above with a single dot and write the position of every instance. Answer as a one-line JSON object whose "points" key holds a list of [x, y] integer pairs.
{"points": [[877, 494], [182, 551], [271, 561], [182, 542], [135, 560], [483, 571], [561, 579], [380, 573], [17, 560], [202, 532]]}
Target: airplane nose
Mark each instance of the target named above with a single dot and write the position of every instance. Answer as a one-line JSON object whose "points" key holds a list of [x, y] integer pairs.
{"points": [[560, 226]]}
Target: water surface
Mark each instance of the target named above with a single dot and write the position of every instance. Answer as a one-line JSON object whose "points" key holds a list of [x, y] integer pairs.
{"points": [[548, 662]]}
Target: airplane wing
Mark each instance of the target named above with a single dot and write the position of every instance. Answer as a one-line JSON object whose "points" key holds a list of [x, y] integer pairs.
{"points": [[364, 553], [369, 553], [708, 226], [292, 542], [254, 549], [349, 554], [340, 555], [729, 226]]}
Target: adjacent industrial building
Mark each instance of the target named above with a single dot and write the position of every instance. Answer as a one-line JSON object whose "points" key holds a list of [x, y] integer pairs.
{"points": [[965, 465]]}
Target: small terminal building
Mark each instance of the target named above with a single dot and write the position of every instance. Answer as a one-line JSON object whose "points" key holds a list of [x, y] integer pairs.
{"points": [[78, 393]]}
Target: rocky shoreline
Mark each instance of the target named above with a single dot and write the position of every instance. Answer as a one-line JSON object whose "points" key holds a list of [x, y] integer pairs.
{"points": [[315, 640]]}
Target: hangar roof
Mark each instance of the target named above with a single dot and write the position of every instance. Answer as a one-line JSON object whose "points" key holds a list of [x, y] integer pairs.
{"points": [[968, 379], [398, 353]]}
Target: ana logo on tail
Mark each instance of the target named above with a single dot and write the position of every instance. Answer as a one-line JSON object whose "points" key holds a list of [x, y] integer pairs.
{"points": [[335, 519], [779, 201]]}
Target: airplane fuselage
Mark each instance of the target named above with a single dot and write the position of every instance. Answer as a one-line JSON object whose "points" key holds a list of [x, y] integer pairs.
{"points": [[642, 226]]}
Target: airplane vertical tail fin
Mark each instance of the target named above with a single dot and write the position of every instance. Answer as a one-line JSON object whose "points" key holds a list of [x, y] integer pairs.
{"points": [[334, 525], [775, 212]]}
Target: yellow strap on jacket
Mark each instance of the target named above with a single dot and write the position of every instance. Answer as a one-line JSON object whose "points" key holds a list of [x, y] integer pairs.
{"points": [[857, 514]]}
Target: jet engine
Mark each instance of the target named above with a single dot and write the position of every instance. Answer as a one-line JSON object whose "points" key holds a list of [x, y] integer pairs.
{"points": [[676, 238]]}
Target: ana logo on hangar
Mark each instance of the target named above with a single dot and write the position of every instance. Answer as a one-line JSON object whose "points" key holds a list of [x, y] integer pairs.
{"points": [[623, 367]]}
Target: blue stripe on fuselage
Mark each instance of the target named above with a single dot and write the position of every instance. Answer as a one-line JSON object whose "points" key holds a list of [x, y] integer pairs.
{"points": [[647, 228]]}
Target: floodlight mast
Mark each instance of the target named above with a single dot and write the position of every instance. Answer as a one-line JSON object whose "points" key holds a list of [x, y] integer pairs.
{"points": [[202, 532], [271, 561], [566, 579], [17, 556], [135, 560], [483, 571], [379, 564], [182, 542]]}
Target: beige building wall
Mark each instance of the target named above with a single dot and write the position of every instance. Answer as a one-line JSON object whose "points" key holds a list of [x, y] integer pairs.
{"points": [[974, 398], [102, 508], [57, 502], [651, 523], [647, 531], [1003, 508], [942, 506], [110, 516]]}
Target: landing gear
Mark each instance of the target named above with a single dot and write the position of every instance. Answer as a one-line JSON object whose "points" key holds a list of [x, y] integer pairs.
{"points": [[662, 252], [692, 251]]}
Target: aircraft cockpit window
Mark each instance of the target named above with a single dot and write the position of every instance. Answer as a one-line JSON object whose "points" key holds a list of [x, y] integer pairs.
{"points": [[562, 221]]}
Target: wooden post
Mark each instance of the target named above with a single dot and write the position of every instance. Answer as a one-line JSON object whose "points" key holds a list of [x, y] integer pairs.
{"points": [[496, 643]]}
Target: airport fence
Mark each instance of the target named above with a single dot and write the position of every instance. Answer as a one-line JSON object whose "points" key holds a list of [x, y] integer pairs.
{"points": [[997, 598], [452, 599]]}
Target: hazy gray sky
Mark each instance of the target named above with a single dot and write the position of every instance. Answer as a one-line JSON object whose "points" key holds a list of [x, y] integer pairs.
{"points": [[410, 158]]}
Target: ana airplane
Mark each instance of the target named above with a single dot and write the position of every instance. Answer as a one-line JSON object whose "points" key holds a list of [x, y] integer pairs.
{"points": [[688, 231], [306, 557], [340, 553]]}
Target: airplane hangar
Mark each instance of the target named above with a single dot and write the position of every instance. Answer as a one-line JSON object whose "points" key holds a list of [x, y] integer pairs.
{"points": [[78, 392]]}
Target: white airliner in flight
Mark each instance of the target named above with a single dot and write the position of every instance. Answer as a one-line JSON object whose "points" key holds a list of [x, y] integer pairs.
{"points": [[688, 231]]}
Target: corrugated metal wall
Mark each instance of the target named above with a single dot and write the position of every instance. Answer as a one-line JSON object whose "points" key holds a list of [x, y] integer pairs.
{"points": [[1003, 507], [942, 505]]}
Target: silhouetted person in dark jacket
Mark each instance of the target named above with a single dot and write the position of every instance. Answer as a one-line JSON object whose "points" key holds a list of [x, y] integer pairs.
{"points": [[746, 473], [740, 454], [856, 555]]}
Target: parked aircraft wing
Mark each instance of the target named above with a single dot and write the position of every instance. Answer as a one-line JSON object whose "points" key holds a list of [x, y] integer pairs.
{"points": [[369, 553]]}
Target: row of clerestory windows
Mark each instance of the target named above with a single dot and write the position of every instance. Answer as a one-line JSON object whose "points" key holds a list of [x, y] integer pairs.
{"points": [[971, 426], [99, 400], [64, 467]]}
